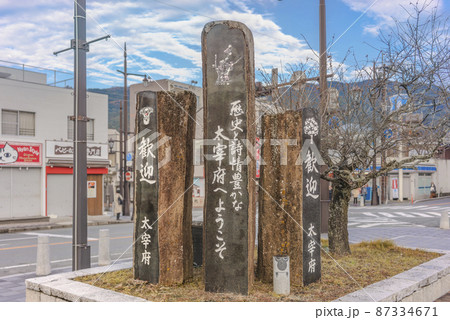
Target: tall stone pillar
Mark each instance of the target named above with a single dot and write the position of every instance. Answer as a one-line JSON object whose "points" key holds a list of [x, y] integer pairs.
{"points": [[311, 162], [280, 195], [289, 196], [229, 123], [163, 187]]}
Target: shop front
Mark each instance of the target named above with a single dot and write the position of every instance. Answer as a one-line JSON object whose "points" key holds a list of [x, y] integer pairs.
{"points": [[20, 180], [59, 178]]}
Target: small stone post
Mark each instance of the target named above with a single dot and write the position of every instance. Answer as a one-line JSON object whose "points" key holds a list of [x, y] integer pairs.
{"points": [[43, 256], [164, 171], [281, 275], [229, 125], [444, 220], [104, 257]]}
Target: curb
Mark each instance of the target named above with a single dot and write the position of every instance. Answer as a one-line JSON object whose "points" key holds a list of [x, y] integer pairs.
{"points": [[424, 283], [431, 199], [62, 288]]}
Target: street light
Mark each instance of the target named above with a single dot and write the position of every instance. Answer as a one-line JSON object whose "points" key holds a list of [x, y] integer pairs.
{"points": [[111, 145]]}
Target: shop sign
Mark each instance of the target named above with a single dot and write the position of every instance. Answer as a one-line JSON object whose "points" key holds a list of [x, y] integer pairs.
{"points": [[20, 154], [64, 149]]}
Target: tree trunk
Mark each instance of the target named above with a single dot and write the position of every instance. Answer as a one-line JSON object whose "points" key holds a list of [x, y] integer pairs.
{"points": [[337, 224]]}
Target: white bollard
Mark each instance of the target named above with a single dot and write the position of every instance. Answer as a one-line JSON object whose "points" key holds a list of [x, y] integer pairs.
{"points": [[444, 220], [43, 257], [104, 257], [281, 276], [361, 201]]}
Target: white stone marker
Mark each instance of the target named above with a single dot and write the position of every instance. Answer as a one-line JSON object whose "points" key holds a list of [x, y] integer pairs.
{"points": [[444, 220], [361, 201], [104, 257], [281, 276], [43, 257]]}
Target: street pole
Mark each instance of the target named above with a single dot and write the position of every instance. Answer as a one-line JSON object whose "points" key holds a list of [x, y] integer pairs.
{"points": [[324, 193], [374, 201], [81, 252], [322, 60], [383, 140], [126, 198], [121, 168]]}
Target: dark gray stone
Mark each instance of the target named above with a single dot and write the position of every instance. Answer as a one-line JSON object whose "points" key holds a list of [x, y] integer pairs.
{"points": [[146, 249], [311, 196], [228, 84]]}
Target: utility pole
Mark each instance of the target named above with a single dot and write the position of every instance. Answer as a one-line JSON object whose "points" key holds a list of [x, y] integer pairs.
{"points": [[81, 252], [126, 192], [383, 139], [124, 183], [121, 167], [374, 201], [324, 193], [322, 60]]}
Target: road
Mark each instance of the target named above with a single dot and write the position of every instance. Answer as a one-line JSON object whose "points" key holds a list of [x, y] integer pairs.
{"points": [[18, 250], [408, 225], [425, 214]]}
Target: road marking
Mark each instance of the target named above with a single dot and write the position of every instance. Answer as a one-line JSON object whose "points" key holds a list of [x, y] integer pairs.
{"points": [[430, 208], [56, 261], [420, 214], [57, 243], [52, 235], [404, 214], [434, 213], [386, 214], [381, 224], [16, 239], [369, 214]]}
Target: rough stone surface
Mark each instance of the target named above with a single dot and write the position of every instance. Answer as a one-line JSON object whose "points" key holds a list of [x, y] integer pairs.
{"points": [[426, 282], [32, 296], [280, 196], [104, 257], [228, 80], [61, 288], [43, 267], [46, 298], [167, 201], [176, 120]]}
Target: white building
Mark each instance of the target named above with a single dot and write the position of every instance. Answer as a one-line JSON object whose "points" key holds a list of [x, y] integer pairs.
{"points": [[36, 147]]}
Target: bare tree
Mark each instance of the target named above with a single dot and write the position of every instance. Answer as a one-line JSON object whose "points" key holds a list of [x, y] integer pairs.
{"points": [[413, 67], [393, 111]]}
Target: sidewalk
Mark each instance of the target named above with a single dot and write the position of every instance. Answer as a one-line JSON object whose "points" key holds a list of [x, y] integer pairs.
{"points": [[62, 222], [396, 202]]}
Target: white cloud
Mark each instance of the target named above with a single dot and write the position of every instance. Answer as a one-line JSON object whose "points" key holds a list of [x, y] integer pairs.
{"points": [[385, 11], [163, 37]]}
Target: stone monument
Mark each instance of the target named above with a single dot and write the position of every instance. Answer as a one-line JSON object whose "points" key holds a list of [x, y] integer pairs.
{"points": [[229, 122], [163, 187], [280, 195], [289, 202]]}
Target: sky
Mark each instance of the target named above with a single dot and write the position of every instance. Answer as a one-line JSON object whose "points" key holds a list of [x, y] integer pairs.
{"points": [[163, 37]]}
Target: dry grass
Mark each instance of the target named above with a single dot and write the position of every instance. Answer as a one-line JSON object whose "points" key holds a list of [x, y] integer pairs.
{"points": [[369, 262]]}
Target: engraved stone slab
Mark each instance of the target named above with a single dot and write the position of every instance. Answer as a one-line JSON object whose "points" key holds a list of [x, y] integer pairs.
{"points": [[229, 209], [311, 196], [164, 178], [146, 249]]}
